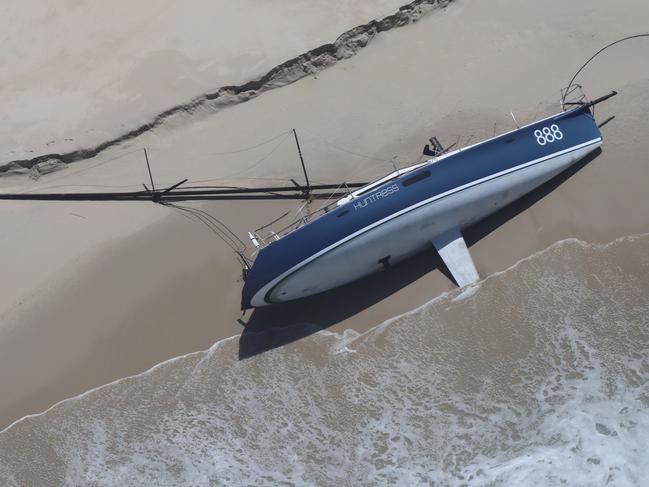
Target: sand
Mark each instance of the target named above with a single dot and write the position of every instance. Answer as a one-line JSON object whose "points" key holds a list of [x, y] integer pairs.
{"points": [[94, 292], [76, 74]]}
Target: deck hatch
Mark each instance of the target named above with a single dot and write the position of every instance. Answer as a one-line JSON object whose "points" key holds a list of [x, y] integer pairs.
{"points": [[416, 178]]}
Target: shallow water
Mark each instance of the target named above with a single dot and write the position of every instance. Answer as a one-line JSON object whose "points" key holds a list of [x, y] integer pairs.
{"points": [[536, 376]]}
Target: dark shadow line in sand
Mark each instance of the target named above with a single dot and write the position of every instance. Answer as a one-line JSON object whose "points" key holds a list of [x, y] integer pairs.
{"points": [[279, 325]]}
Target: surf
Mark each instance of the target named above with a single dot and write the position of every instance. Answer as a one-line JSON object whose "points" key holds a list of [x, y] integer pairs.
{"points": [[538, 374]]}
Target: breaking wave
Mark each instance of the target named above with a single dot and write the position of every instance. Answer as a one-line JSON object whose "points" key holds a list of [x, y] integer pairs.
{"points": [[536, 376]]}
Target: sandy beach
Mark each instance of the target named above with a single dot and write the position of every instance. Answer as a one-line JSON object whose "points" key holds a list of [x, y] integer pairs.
{"points": [[95, 292]]}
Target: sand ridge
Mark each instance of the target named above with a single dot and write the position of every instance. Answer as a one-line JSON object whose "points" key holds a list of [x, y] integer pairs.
{"points": [[304, 64]]}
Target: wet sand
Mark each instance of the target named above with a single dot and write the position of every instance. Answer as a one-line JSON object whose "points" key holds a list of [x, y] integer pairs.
{"points": [[114, 291]]}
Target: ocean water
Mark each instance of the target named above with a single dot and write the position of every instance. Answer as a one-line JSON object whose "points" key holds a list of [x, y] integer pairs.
{"points": [[536, 376]]}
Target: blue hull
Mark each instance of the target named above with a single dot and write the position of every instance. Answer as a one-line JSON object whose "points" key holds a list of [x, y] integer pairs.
{"points": [[533, 144]]}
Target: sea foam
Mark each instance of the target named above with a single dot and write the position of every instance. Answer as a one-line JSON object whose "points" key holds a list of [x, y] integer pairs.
{"points": [[538, 376]]}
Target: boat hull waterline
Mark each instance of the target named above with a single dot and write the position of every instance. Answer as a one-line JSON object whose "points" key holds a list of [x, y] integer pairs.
{"points": [[425, 208]]}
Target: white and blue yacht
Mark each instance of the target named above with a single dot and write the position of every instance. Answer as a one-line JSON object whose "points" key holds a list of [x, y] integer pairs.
{"points": [[427, 205]]}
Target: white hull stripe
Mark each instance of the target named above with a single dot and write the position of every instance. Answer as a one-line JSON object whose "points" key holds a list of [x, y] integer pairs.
{"points": [[264, 290]]}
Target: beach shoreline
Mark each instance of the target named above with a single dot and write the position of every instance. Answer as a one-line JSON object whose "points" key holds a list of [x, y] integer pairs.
{"points": [[97, 293]]}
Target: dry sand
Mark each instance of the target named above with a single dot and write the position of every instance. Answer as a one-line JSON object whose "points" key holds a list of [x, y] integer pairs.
{"points": [[74, 74], [94, 292]]}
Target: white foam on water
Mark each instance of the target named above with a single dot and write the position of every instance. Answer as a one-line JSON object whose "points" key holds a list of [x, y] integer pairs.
{"points": [[466, 292], [537, 376], [588, 439]]}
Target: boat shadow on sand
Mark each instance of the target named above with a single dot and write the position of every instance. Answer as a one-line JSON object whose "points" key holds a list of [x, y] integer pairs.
{"points": [[278, 325]]}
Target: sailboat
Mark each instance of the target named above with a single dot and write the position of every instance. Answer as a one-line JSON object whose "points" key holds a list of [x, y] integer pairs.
{"points": [[424, 206]]}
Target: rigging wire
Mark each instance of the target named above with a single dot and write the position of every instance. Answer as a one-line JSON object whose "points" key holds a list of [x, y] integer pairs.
{"points": [[258, 162], [241, 179], [342, 149], [83, 170], [572, 80], [246, 149], [271, 222], [334, 192], [195, 218], [216, 226], [283, 136], [226, 229]]}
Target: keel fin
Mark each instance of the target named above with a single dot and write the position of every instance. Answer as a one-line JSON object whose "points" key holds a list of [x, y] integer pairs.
{"points": [[455, 254]]}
